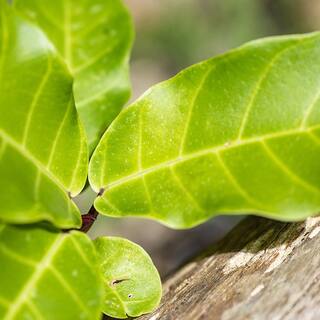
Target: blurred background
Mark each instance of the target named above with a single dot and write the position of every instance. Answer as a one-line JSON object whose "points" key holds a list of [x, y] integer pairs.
{"points": [[171, 35]]}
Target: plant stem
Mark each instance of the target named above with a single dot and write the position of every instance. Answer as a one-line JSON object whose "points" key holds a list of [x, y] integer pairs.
{"points": [[89, 219]]}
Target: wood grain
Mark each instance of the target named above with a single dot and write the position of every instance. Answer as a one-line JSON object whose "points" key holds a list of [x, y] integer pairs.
{"points": [[261, 270]]}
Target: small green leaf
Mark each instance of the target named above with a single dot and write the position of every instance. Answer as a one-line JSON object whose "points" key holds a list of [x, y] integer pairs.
{"points": [[43, 151], [235, 134], [132, 283], [95, 38], [48, 275]]}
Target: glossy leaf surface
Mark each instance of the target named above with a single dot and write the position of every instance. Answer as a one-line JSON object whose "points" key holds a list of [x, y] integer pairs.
{"points": [[94, 37], [48, 275], [132, 283], [43, 151], [237, 133]]}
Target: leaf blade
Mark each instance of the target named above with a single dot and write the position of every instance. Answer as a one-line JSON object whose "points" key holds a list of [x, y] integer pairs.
{"points": [[43, 148], [132, 283], [50, 284], [95, 41], [204, 128]]}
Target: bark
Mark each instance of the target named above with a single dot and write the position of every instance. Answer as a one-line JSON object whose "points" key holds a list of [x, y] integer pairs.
{"points": [[261, 270]]}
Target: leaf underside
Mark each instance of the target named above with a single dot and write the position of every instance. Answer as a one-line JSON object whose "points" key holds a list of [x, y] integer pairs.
{"points": [[132, 283], [95, 39], [43, 151], [48, 275], [235, 134]]}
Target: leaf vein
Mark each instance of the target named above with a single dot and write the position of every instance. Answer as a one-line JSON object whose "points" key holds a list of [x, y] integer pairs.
{"points": [[58, 134], [140, 162], [81, 254], [236, 184], [309, 110], [35, 100], [100, 21], [34, 310], [26, 289], [37, 185], [25, 152], [192, 105], [92, 61], [82, 151], [257, 88], [15, 256], [213, 150], [186, 191], [279, 163], [108, 203], [68, 288]]}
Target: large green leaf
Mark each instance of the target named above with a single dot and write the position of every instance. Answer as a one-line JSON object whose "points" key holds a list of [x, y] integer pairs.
{"points": [[43, 151], [237, 133], [132, 283], [48, 275], [95, 38]]}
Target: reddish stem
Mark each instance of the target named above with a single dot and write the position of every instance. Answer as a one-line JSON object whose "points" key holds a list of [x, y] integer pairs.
{"points": [[89, 219]]}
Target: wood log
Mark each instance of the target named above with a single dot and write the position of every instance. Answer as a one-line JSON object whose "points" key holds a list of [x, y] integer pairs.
{"points": [[261, 270]]}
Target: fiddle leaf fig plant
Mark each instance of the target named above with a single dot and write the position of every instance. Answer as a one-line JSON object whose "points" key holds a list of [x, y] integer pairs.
{"points": [[238, 133]]}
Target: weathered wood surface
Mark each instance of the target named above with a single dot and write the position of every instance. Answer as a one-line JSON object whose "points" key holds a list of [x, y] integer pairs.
{"points": [[261, 270]]}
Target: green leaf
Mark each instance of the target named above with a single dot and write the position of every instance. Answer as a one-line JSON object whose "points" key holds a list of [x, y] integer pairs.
{"points": [[132, 283], [48, 275], [95, 38], [43, 151], [235, 134]]}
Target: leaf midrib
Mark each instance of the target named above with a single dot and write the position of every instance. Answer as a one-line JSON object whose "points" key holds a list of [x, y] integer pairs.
{"points": [[214, 150]]}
